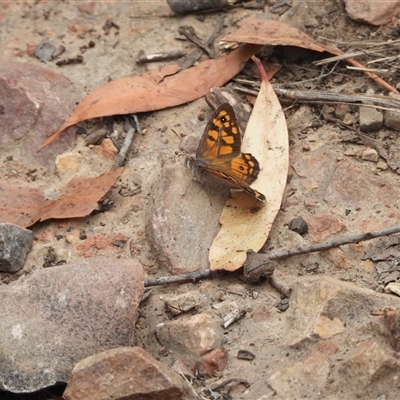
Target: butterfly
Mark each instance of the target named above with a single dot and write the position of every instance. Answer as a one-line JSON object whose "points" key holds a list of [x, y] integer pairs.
{"points": [[219, 152]]}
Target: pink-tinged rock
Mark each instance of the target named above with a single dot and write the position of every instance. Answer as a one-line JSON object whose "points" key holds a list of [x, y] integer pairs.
{"points": [[182, 369], [215, 360], [36, 102], [322, 226], [372, 11], [391, 320], [188, 338], [319, 309], [312, 372], [181, 205], [370, 155], [357, 188], [60, 315], [370, 362], [102, 245], [326, 327], [125, 373]]}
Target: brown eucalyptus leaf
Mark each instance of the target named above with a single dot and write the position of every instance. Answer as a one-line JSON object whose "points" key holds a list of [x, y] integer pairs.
{"points": [[158, 89]]}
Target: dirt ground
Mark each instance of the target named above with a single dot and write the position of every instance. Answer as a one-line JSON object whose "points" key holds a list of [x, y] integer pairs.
{"points": [[150, 26]]}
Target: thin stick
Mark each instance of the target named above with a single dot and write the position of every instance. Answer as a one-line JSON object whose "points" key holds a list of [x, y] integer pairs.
{"points": [[160, 56], [207, 273], [358, 237], [194, 39], [318, 96], [120, 158], [190, 277]]}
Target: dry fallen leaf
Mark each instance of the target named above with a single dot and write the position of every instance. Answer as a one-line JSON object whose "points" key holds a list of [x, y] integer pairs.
{"points": [[246, 222], [274, 33], [158, 89], [25, 206], [270, 32], [21, 205]]}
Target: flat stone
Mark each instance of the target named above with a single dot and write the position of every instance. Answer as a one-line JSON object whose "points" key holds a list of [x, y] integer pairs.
{"points": [[313, 373], [364, 190], [370, 155], [215, 360], [322, 226], [36, 101], [325, 327], [60, 315], [181, 205], [314, 300], [68, 164], [391, 320], [371, 119], [372, 11], [369, 362], [15, 243], [189, 338], [184, 302], [125, 373]]}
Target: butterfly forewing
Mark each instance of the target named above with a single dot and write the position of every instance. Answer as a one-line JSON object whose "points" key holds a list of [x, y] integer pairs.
{"points": [[221, 136]]}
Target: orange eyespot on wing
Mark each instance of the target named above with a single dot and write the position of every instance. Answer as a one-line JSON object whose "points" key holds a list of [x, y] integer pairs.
{"points": [[245, 167]]}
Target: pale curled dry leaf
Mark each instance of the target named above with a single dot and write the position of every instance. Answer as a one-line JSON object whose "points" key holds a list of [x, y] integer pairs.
{"points": [[246, 222]]}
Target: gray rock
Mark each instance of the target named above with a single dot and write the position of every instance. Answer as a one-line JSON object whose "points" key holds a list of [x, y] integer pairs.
{"points": [[15, 243], [370, 119], [60, 315], [181, 205], [392, 118]]}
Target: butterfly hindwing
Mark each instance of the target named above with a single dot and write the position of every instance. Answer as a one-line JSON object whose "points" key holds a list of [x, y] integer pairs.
{"points": [[219, 152]]}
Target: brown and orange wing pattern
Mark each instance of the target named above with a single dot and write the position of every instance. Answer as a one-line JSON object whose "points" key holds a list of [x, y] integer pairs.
{"points": [[219, 152]]}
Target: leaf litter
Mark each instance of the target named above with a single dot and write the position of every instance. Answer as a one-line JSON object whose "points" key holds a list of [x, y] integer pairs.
{"points": [[158, 89], [25, 206]]}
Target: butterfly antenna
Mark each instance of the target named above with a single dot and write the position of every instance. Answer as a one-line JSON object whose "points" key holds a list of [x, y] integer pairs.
{"points": [[177, 135]]}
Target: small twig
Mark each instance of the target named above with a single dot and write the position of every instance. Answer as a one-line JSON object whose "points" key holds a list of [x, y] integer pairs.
{"points": [[207, 273], [137, 124], [194, 39], [196, 54], [318, 96], [190, 277], [143, 58], [280, 286], [339, 58], [120, 158], [227, 382], [364, 69], [358, 237]]}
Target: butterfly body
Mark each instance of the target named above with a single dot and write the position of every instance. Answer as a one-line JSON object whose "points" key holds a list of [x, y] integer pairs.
{"points": [[219, 152]]}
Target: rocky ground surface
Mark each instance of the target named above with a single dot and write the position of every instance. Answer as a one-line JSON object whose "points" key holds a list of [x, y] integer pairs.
{"points": [[70, 309]]}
